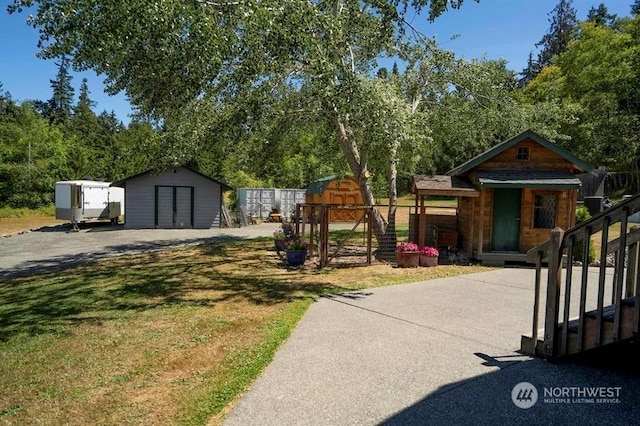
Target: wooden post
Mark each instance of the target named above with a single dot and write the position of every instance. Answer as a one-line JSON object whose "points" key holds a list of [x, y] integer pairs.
{"points": [[632, 272], [536, 303], [473, 219], [604, 248], [567, 297], [369, 234], [586, 243], [481, 227], [553, 292], [423, 223], [620, 274]]}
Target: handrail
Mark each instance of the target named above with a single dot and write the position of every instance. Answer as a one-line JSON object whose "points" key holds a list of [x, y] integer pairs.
{"points": [[557, 336]]}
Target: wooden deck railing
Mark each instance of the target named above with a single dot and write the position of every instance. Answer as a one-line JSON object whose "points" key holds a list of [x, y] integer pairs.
{"points": [[576, 317]]}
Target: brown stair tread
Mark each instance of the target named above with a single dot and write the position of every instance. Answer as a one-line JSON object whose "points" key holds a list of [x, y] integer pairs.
{"points": [[608, 313]]}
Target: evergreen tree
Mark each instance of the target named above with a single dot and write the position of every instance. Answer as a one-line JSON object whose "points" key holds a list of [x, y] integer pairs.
{"points": [[601, 16], [635, 8], [394, 70], [530, 72], [60, 105], [563, 23], [85, 104]]}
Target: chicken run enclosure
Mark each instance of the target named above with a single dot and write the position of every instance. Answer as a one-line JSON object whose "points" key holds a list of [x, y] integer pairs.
{"points": [[349, 244]]}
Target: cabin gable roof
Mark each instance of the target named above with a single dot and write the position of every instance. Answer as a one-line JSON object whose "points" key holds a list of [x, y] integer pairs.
{"points": [[502, 147]]}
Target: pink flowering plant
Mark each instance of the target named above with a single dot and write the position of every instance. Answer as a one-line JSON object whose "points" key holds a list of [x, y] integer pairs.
{"points": [[429, 251], [407, 247]]}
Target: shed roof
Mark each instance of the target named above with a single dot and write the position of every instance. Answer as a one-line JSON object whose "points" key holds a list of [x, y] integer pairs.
{"points": [[443, 185], [319, 186], [527, 179], [122, 182], [529, 134]]}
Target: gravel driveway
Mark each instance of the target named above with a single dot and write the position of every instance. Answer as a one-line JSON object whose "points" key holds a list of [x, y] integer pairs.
{"points": [[54, 247]]}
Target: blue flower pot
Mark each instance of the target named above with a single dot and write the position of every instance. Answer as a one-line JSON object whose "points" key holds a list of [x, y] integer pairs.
{"points": [[296, 257]]}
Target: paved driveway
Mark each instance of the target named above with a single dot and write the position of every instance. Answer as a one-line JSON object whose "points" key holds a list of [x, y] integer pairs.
{"points": [[439, 352], [57, 246]]}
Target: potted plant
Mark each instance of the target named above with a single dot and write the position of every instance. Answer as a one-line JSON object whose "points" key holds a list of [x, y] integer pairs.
{"points": [[279, 238], [429, 256], [296, 250], [407, 255]]}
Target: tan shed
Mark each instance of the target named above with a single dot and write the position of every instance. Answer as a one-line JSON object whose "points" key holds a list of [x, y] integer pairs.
{"points": [[340, 191]]}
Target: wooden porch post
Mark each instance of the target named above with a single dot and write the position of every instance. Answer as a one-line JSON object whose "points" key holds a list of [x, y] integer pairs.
{"points": [[423, 222], [481, 227], [471, 231], [553, 292]]}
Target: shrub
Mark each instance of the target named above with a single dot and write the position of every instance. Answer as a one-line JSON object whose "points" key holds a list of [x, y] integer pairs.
{"points": [[582, 215]]}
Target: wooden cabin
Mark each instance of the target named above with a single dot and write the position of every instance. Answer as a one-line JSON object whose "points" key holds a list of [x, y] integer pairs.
{"points": [[509, 199], [341, 191]]}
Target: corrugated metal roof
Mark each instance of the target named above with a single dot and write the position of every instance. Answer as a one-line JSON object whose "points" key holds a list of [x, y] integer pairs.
{"points": [[527, 179]]}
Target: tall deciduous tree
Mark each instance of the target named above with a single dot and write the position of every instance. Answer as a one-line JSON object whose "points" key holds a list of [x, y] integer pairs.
{"points": [[174, 56]]}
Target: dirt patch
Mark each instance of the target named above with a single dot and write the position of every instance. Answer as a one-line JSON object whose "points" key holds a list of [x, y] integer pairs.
{"points": [[16, 225]]}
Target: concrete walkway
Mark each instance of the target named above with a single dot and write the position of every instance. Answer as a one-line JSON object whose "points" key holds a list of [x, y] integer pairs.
{"points": [[437, 352]]}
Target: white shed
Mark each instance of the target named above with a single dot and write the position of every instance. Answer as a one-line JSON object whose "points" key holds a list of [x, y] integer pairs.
{"points": [[179, 197]]}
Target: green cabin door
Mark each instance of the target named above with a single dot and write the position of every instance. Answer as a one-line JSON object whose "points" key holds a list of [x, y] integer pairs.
{"points": [[506, 219]]}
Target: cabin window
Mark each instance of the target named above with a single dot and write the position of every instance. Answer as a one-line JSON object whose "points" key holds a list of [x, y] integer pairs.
{"points": [[522, 154], [544, 211]]}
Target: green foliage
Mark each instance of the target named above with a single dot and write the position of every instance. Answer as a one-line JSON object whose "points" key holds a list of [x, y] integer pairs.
{"points": [[596, 80], [49, 210], [582, 215]]}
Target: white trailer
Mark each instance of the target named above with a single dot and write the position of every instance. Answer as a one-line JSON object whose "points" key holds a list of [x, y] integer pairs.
{"points": [[83, 200]]}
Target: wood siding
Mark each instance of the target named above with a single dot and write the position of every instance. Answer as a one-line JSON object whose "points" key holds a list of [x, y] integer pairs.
{"points": [[540, 158], [342, 192], [140, 198], [531, 237], [469, 223]]}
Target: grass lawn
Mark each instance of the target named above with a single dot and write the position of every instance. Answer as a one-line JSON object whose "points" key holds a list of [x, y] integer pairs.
{"points": [[169, 337]]}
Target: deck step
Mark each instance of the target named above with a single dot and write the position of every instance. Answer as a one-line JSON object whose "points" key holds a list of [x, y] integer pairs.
{"points": [[627, 319]]}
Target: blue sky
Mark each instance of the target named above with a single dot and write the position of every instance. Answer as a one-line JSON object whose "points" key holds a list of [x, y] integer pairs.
{"points": [[495, 29]]}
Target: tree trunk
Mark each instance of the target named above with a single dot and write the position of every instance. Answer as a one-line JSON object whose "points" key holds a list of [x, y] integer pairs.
{"points": [[387, 247], [385, 233]]}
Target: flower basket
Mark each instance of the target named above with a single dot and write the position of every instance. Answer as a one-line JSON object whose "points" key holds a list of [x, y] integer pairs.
{"points": [[408, 259], [428, 260], [407, 255], [429, 256], [296, 257]]}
